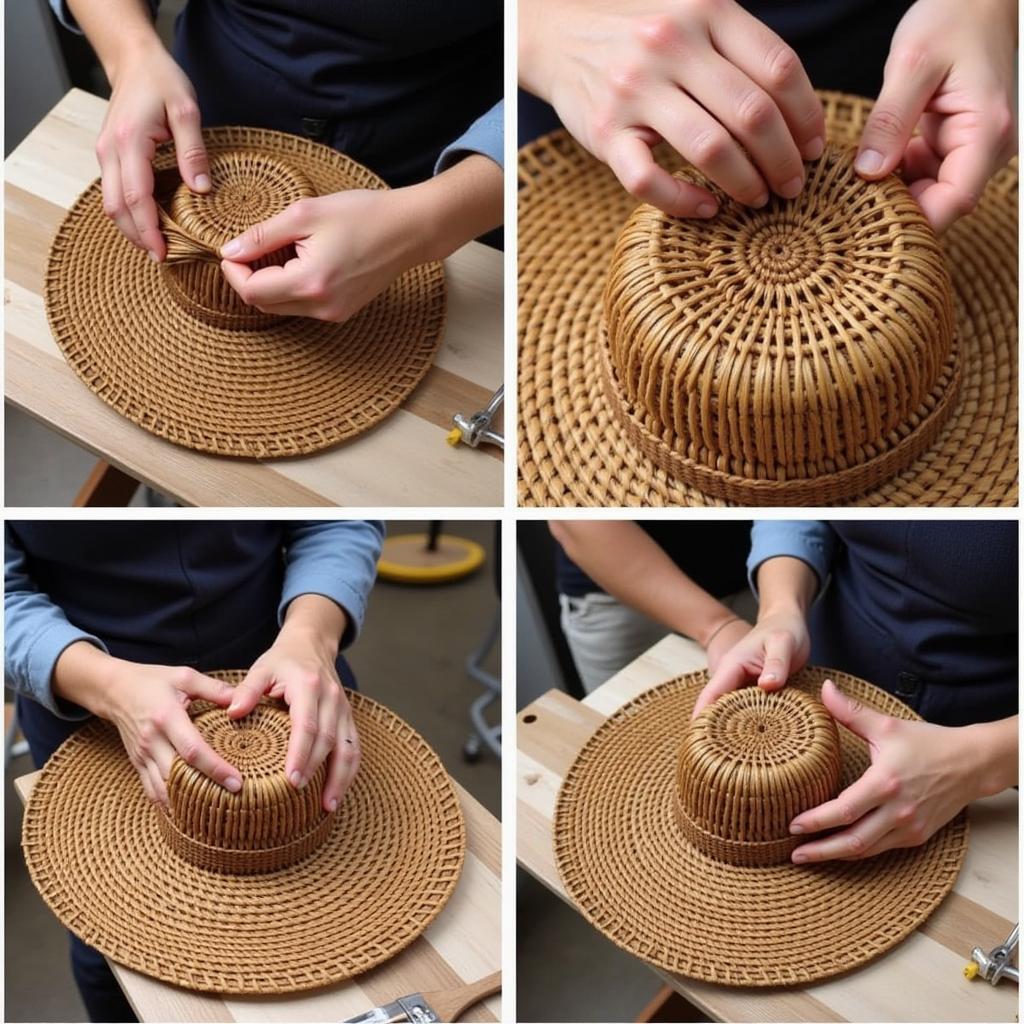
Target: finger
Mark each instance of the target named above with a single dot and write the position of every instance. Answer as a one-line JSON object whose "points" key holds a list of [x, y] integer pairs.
{"points": [[633, 163], [342, 765], [920, 162], [327, 731], [751, 116], [147, 782], [195, 751], [730, 675], [203, 687], [265, 237], [911, 79], [760, 54], [778, 660], [113, 197], [137, 183], [157, 789], [962, 177], [189, 149], [857, 717], [268, 286], [850, 844], [303, 702], [708, 145], [247, 693], [860, 797]]}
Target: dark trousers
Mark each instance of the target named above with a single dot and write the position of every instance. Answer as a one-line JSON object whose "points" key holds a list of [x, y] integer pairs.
{"points": [[100, 992]]}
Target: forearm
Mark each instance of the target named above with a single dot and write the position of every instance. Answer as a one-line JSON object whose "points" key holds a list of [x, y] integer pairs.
{"points": [[787, 585], [631, 567], [81, 675], [316, 620], [456, 206], [995, 745], [117, 30]]}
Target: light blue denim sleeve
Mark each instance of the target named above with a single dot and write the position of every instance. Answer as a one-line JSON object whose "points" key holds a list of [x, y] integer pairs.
{"points": [[36, 632], [485, 135], [812, 541], [67, 19], [335, 559]]}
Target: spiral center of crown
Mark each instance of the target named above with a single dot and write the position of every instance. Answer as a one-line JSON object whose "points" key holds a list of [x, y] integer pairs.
{"points": [[783, 253]]}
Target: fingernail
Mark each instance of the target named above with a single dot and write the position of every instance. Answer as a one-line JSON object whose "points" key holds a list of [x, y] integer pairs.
{"points": [[153, 256], [796, 829], [814, 148], [869, 162], [232, 248], [296, 778], [799, 858], [202, 181], [232, 785], [334, 804], [792, 188], [707, 210], [769, 677]]}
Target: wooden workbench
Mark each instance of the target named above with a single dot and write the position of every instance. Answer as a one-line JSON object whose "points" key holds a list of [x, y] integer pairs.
{"points": [[920, 980], [402, 461], [462, 945]]}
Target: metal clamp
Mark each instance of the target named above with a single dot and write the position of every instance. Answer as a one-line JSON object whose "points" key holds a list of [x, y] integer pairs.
{"points": [[475, 430], [409, 1008], [995, 965]]}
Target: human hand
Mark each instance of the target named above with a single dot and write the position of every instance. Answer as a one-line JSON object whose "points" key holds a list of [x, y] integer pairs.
{"points": [[726, 92], [300, 669], [724, 639], [951, 73], [149, 705], [769, 653], [921, 775]]}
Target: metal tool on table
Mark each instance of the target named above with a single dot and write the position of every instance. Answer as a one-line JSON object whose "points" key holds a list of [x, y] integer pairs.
{"points": [[996, 965], [476, 429], [427, 1007]]}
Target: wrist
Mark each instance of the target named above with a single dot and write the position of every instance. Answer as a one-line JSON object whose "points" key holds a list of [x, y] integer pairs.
{"points": [[712, 625], [316, 622], [86, 676], [140, 47], [531, 77], [992, 748]]}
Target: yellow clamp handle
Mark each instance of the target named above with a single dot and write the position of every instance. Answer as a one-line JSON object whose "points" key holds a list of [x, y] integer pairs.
{"points": [[454, 436], [970, 970]]}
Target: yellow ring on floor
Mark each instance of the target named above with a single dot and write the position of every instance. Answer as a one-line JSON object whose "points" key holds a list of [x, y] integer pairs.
{"points": [[405, 559]]}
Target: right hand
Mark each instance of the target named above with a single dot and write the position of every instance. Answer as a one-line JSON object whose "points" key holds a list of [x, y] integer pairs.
{"points": [[721, 88], [152, 101], [776, 647], [149, 706]]}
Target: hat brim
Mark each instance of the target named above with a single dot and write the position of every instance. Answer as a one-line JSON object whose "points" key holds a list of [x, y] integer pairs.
{"points": [[291, 388], [95, 852], [627, 865], [575, 449]]}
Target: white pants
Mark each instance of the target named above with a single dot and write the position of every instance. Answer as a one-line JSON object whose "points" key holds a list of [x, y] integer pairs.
{"points": [[605, 635]]}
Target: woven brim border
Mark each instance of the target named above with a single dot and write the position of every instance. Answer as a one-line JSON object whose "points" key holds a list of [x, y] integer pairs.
{"points": [[293, 388], [94, 850], [628, 867], [575, 449]]}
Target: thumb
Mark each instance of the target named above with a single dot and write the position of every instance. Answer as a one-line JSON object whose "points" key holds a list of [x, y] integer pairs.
{"points": [[249, 690], [911, 80], [265, 237], [778, 659], [848, 711]]}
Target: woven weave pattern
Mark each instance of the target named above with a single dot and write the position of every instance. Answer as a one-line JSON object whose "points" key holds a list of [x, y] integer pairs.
{"points": [[174, 349], [802, 340], [269, 824], [748, 765], [97, 854], [631, 871], [579, 446]]}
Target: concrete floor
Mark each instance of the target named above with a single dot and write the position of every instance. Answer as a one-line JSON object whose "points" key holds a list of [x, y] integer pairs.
{"points": [[410, 656]]}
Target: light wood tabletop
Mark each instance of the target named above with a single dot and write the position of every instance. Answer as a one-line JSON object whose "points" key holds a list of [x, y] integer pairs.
{"points": [[920, 980], [402, 461], [461, 946]]}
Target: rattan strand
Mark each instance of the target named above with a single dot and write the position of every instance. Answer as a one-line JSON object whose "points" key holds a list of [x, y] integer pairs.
{"points": [[578, 447], [173, 349], [748, 765], [96, 852], [631, 872]]}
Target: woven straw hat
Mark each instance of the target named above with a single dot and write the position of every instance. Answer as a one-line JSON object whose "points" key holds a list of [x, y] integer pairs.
{"points": [[254, 893], [173, 348], [823, 350], [673, 838]]}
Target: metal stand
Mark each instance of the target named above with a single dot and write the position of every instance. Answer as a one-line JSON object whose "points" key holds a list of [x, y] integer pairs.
{"points": [[483, 733]]}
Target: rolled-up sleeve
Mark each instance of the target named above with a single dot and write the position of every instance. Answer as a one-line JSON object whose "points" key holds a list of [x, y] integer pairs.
{"points": [[36, 632], [337, 560], [485, 135], [67, 19], [812, 541]]}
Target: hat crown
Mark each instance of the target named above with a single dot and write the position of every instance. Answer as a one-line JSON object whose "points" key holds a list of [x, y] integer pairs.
{"points": [[268, 824], [799, 341], [750, 763]]}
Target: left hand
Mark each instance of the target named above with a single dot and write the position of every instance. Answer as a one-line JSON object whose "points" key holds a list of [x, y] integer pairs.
{"points": [[349, 247], [951, 73], [921, 776], [299, 669]]}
